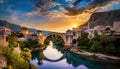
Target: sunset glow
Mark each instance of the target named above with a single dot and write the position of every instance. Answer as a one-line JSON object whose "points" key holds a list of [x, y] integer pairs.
{"points": [[58, 16], [74, 26]]}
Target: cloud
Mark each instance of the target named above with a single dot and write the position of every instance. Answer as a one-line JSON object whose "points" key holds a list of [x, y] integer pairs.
{"points": [[71, 9], [1, 1], [62, 18], [14, 18], [105, 7], [98, 4], [59, 22], [45, 5], [33, 13], [69, 0], [43, 8]]}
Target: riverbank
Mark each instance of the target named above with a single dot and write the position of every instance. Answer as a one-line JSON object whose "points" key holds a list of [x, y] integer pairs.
{"points": [[96, 55]]}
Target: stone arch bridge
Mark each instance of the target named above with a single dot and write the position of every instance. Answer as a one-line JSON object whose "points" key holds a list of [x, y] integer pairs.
{"points": [[67, 39]]}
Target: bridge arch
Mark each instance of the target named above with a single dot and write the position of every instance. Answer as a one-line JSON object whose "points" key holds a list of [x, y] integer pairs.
{"points": [[44, 37]]}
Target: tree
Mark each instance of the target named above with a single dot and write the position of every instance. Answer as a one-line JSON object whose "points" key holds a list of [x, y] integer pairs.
{"points": [[110, 48], [22, 45], [15, 60], [13, 40], [96, 47], [56, 39], [74, 41], [83, 40], [26, 50], [30, 43], [96, 36], [105, 40]]}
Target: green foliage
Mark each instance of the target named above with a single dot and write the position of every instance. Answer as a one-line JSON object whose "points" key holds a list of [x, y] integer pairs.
{"points": [[14, 59], [8, 67], [96, 36], [39, 47], [30, 44], [84, 48], [96, 47], [66, 48], [26, 50], [117, 42], [105, 40], [83, 40], [74, 41], [110, 44], [110, 48], [117, 51], [107, 44], [26, 55], [56, 39], [12, 39], [22, 45]]}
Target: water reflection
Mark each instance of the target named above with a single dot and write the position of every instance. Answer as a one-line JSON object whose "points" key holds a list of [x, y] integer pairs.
{"points": [[53, 58], [51, 52]]}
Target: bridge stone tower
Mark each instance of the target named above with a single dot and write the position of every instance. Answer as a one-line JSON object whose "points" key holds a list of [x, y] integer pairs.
{"points": [[39, 33], [40, 37], [69, 36]]}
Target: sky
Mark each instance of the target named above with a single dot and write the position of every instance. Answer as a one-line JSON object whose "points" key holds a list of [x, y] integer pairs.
{"points": [[53, 15]]}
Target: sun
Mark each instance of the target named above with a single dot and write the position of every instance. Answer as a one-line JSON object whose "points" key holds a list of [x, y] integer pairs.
{"points": [[74, 26]]}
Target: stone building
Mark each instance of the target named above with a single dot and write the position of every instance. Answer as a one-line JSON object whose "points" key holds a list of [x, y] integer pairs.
{"points": [[24, 31], [29, 35], [4, 32], [116, 26], [3, 41]]}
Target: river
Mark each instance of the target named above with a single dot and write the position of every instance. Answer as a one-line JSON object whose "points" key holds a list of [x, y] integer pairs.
{"points": [[53, 58]]}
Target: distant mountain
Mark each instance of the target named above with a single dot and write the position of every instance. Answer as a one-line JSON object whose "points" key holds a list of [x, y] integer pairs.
{"points": [[10, 25], [18, 27], [104, 18]]}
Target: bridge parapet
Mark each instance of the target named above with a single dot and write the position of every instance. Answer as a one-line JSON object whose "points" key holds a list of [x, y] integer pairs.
{"points": [[63, 35]]}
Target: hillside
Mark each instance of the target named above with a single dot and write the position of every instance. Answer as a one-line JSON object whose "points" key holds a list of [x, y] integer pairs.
{"points": [[10, 25], [104, 18], [18, 27]]}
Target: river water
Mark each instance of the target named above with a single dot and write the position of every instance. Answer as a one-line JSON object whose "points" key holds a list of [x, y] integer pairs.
{"points": [[53, 58]]}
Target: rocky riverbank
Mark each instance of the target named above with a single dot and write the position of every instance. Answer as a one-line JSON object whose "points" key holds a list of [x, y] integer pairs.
{"points": [[96, 55]]}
